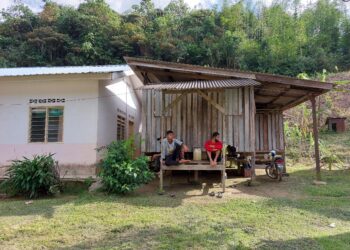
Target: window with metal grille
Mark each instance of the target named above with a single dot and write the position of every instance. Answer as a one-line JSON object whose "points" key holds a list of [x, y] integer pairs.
{"points": [[46, 124], [121, 123]]}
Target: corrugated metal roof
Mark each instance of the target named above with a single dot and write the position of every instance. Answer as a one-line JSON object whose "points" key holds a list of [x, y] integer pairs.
{"points": [[135, 62], [32, 71], [207, 84]]}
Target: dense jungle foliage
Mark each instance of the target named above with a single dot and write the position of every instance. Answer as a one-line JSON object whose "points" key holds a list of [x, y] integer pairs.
{"points": [[286, 37]]}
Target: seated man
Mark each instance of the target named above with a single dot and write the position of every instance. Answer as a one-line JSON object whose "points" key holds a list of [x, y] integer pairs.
{"points": [[173, 150], [213, 148]]}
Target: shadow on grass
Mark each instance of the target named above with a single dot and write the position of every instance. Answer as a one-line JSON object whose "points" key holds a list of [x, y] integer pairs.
{"points": [[44, 206], [77, 195], [182, 237], [297, 191], [339, 241], [174, 237]]}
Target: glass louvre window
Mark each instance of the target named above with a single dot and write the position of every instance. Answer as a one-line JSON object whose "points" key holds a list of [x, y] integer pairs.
{"points": [[46, 125], [121, 122], [37, 128], [55, 125]]}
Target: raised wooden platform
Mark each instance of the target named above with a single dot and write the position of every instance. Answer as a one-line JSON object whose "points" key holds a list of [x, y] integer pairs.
{"points": [[195, 166]]}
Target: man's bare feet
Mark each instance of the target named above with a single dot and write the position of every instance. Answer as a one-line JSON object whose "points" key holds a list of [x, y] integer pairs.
{"points": [[184, 161]]}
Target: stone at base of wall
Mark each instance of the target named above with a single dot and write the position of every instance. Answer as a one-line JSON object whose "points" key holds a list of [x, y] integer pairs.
{"points": [[96, 186]]}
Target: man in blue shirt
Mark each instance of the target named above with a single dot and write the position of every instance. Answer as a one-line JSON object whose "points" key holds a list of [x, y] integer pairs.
{"points": [[173, 150]]}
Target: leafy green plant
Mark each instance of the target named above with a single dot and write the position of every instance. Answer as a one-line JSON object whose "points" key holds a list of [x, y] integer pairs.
{"points": [[120, 171], [32, 177], [328, 157]]}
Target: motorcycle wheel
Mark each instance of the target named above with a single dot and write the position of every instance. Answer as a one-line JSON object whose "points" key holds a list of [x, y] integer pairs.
{"points": [[271, 172]]}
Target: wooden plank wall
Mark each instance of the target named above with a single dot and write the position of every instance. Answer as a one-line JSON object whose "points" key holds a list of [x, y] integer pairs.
{"points": [[193, 119], [269, 131], [240, 123]]}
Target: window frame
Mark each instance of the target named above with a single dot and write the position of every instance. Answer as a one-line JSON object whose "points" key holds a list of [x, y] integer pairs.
{"points": [[124, 130], [131, 133], [46, 124]]}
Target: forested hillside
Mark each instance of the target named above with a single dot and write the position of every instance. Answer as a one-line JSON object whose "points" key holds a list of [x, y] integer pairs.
{"points": [[284, 38]]}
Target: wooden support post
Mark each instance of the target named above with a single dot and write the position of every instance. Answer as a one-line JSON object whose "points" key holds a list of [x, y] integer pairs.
{"points": [[162, 129], [161, 189], [284, 147], [196, 176], [223, 179], [315, 131], [223, 173], [171, 178], [252, 175]]}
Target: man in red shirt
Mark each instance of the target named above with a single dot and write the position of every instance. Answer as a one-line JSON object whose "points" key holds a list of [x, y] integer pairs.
{"points": [[213, 148]]}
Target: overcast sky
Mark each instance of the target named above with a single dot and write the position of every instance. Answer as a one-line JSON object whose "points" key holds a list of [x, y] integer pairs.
{"points": [[122, 5]]}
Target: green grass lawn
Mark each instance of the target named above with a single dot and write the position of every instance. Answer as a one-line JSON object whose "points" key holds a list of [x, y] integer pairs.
{"points": [[293, 214], [339, 144]]}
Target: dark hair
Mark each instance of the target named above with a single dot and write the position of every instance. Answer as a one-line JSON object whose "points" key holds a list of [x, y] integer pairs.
{"points": [[215, 134], [169, 132]]}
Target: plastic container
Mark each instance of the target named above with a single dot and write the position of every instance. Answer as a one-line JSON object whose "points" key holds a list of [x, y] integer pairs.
{"points": [[197, 154]]}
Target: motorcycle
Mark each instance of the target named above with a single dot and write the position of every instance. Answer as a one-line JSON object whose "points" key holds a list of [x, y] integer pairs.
{"points": [[274, 168]]}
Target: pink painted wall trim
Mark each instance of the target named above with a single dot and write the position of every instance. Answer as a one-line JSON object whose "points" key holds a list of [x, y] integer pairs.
{"points": [[67, 154]]}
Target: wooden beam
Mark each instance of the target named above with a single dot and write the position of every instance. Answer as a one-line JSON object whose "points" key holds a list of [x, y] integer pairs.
{"points": [[276, 85], [315, 131], [293, 81], [275, 99], [145, 78], [153, 78], [173, 103], [190, 75], [209, 100], [295, 102], [195, 167]]}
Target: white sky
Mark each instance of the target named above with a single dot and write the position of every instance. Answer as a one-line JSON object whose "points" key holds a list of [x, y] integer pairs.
{"points": [[122, 5]]}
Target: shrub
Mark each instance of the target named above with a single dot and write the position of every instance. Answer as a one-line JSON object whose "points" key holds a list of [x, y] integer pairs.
{"points": [[32, 177], [120, 172]]}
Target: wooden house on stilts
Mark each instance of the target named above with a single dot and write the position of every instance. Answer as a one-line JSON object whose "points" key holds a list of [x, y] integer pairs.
{"points": [[246, 108]]}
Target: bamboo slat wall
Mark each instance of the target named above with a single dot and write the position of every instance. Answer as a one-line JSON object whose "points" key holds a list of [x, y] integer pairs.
{"points": [[193, 119], [269, 131]]}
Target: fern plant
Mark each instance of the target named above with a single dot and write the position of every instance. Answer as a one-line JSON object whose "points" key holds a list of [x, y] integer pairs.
{"points": [[32, 177]]}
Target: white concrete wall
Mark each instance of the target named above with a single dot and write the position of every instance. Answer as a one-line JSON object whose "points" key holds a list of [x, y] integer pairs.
{"points": [[80, 119], [108, 111]]}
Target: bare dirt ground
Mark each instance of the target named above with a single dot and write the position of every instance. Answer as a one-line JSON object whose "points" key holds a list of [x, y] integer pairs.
{"points": [[177, 185]]}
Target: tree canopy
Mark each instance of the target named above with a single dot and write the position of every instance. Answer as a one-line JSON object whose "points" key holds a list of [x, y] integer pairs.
{"points": [[283, 38]]}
